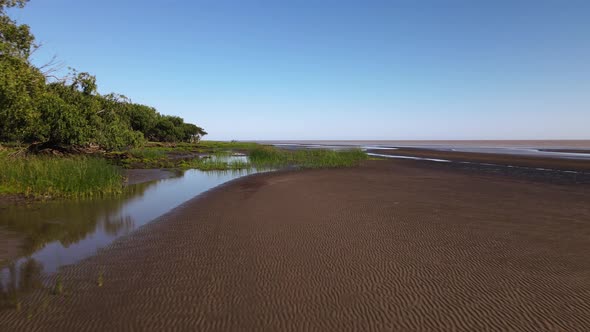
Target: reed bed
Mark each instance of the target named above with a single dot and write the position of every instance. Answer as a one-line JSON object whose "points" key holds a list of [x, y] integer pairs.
{"points": [[320, 158], [44, 176]]}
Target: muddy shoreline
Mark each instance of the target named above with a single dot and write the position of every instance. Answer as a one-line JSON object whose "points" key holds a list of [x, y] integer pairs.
{"points": [[548, 170], [493, 158], [384, 246]]}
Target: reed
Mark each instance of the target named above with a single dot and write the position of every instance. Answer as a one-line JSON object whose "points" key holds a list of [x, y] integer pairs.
{"points": [[43, 176], [320, 158]]}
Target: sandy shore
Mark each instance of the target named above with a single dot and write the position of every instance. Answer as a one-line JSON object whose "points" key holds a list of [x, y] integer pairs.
{"points": [[386, 246]]}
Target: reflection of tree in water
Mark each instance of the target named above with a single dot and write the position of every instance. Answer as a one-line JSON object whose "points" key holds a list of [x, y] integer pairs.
{"points": [[15, 282], [68, 221], [114, 225]]}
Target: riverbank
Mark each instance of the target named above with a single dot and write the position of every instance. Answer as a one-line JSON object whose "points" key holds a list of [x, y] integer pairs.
{"points": [[77, 175], [387, 245]]}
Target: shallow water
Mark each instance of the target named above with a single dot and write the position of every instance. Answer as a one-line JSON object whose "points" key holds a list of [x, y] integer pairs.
{"points": [[521, 148], [407, 157], [64, 232], [471, 162]]}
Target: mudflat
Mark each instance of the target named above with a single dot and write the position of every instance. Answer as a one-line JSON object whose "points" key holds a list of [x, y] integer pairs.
{"points": [[495, 158], [390, 245]]}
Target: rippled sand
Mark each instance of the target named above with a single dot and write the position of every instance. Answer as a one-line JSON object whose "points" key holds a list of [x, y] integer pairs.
{"points": [[386, 246]]}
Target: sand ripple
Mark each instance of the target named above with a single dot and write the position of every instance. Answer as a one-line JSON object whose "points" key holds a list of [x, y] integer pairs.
{"points": [[381, 247]]}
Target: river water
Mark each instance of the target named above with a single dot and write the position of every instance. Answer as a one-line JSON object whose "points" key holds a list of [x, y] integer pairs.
{"points": [[63, 232]]}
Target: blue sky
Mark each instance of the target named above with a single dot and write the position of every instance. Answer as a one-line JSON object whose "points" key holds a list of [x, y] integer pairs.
{"points": [[336, 69]]}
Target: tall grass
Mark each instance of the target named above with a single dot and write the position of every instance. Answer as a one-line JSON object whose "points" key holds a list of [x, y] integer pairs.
{"points": [[58, 177], [320, 158]]}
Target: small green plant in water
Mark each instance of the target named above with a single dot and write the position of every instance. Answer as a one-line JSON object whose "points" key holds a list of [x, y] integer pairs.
{"points": [[59, 287], [100, 280]]}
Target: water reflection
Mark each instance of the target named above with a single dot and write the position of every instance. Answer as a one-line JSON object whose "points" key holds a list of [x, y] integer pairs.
{"points": [[68, 222], [64, 232], [21, 281]]}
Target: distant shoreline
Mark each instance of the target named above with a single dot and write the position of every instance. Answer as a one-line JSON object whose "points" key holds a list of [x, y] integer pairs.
{"points": [[576, 144], [555, 149]]}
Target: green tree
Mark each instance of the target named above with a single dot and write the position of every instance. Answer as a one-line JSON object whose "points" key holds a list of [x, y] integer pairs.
{"points": [[61, 123], [20, 85], [15, 40], [70, 111]]}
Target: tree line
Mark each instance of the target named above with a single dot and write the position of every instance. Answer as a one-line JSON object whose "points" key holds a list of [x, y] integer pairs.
{"points": [[62, 112]]}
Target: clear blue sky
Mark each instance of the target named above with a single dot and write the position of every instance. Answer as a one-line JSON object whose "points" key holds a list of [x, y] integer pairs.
{"points": [[336, 69]]}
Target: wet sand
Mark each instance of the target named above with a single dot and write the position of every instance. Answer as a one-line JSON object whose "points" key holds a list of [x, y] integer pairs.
{"points": [[567, 150], [494, 158], [390, 245]]}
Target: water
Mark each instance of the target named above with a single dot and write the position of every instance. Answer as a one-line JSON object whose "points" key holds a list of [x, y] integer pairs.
{"points": [[408, 157], [469, 162], [64, 232], [521, 148]]}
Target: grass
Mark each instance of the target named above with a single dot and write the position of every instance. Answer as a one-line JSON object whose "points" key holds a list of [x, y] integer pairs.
{"points": [[44, 176], [271, 157], [80, 177], [180, 155], [319, 158], [202, 146]]}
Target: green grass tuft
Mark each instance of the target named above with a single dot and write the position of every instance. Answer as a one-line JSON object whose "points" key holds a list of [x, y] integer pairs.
{"points": [[42, 176], [320, 158]]}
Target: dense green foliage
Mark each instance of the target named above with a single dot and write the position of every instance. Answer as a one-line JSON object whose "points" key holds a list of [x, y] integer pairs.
{"points": [[43, 176], [69, 111]]}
